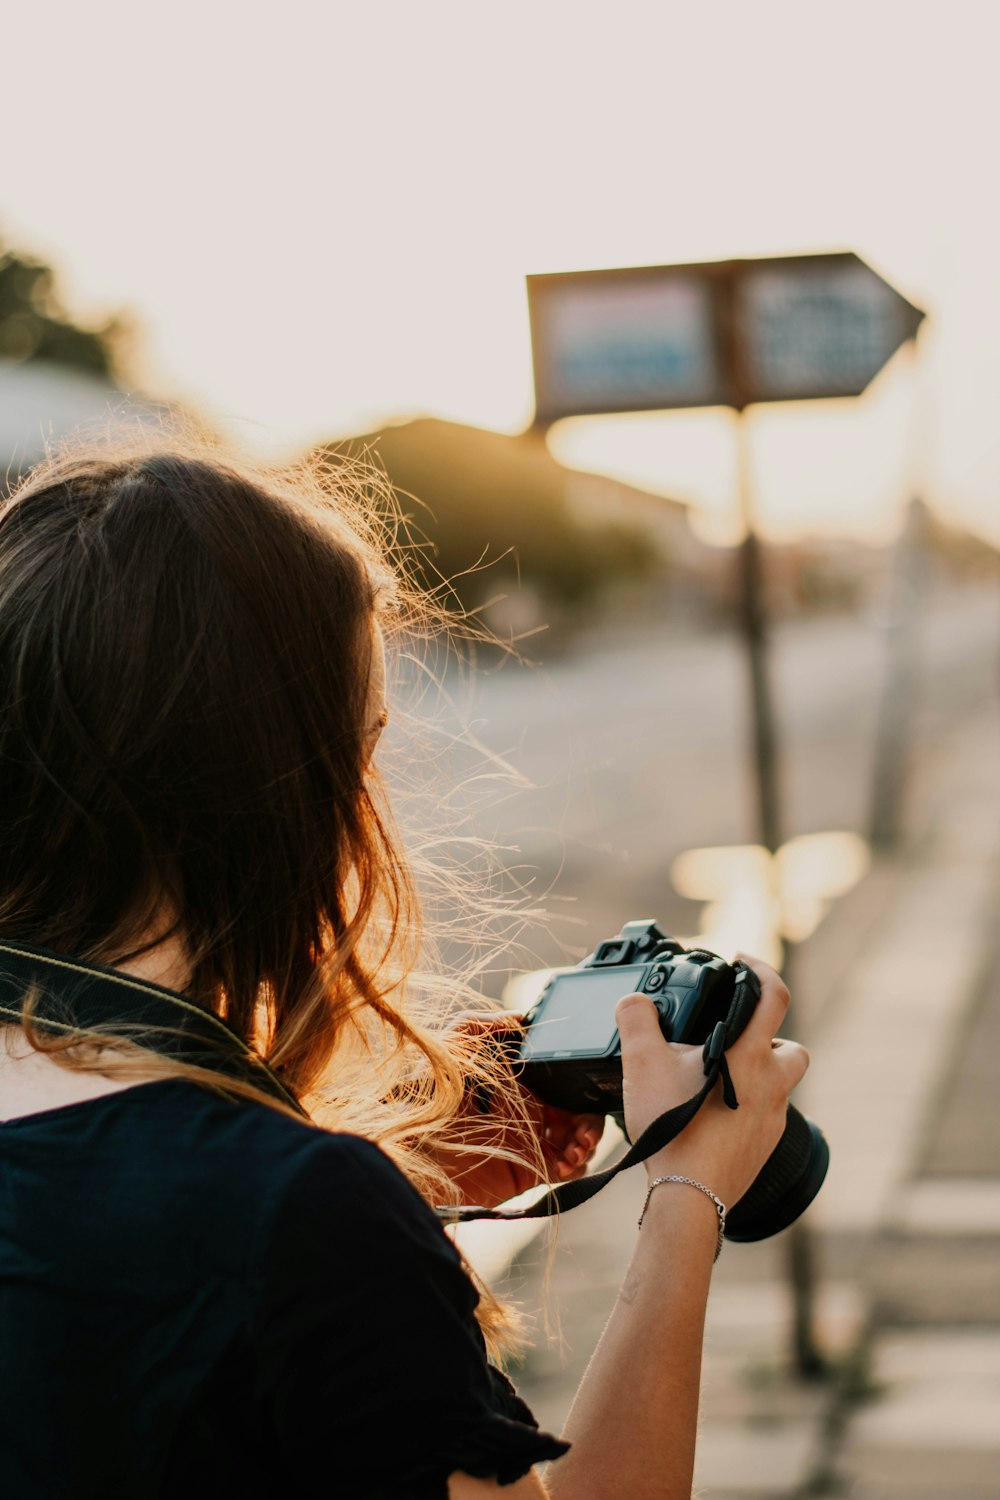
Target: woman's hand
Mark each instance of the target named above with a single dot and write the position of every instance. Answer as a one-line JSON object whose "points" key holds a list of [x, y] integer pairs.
{"points": [[567, 1141], [721, 1147]]}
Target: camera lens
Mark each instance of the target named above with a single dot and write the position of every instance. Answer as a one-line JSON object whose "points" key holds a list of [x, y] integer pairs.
{"points": [[786, 1184]]}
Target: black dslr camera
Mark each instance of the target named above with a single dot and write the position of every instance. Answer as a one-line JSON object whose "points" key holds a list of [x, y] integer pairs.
{"points": [[571, 1056]]}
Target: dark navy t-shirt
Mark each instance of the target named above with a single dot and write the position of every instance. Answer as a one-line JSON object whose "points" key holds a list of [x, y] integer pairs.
{"points": [[206, 1297]]}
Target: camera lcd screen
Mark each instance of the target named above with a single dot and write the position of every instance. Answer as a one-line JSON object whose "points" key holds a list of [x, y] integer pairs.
{"points": [[577, 1017]]}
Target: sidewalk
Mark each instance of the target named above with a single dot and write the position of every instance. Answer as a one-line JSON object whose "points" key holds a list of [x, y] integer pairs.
{"points": [[902, 1005]]}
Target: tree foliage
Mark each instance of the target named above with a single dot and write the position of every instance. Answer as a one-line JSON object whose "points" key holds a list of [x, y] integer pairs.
{"points": [[34, 323]]}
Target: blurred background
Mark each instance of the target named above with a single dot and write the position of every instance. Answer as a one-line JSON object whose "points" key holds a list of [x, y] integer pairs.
{"points": [[310, 232]]}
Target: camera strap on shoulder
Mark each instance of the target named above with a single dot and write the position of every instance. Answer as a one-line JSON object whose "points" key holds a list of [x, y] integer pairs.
{"points": [[660, 1133], [70, 996]]}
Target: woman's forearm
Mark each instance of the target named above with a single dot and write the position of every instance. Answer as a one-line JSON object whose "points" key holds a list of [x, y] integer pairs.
{"points": [[634, 1419]]}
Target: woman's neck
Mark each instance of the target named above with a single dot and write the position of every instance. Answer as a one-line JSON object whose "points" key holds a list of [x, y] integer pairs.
{"points": [[166, 963], [30, 1081]]}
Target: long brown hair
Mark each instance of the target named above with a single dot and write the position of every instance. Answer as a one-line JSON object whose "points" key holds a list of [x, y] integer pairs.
{"points": [[185, 649]]}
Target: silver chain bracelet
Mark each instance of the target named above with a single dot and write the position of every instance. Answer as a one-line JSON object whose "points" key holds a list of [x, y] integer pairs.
{"points": [[720, 1207]]}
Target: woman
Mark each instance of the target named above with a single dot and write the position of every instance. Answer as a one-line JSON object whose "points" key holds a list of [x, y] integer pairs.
{"points": [[201, 1288]]}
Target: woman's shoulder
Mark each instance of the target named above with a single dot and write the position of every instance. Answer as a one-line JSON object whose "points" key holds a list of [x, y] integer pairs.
{"points": [[337, 1219], [227, 1171], [287, 1174], [250, 1139], [258, 1194]]}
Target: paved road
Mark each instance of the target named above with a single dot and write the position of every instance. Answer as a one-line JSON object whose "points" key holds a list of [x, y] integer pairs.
{"points": [[635, 749]]}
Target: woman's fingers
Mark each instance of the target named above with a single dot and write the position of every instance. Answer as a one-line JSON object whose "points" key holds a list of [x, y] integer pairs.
{"points": [[774, 997], [573, 1137], [792, 1058], [492, 1023]]}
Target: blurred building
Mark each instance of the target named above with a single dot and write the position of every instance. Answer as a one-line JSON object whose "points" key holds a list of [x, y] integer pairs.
{"points": [[524, 538]]}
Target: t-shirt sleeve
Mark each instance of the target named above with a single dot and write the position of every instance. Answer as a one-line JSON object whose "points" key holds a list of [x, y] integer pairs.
{"points": [[371, 1365]]}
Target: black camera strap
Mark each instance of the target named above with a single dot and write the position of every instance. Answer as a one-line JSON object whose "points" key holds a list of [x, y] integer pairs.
{"points": [[660, 1133], [70, 996]]}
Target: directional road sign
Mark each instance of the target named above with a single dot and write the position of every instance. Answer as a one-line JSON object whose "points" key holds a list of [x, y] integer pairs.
{"points": [[724, 333]]}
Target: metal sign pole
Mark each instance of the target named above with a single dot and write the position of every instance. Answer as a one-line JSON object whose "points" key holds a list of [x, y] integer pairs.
{"points": [[799, 1243], [753, 616]]}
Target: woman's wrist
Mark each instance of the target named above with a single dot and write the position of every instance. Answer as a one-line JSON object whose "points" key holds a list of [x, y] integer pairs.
{"points": [[679, 1209], [676, 1179], [717, 1171]]}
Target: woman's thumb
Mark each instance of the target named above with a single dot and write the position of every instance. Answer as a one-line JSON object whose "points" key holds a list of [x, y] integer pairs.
{"points": [[638, 1028]]}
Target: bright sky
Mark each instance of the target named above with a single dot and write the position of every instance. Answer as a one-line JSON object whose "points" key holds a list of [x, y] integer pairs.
{"points": [[323, 215]]}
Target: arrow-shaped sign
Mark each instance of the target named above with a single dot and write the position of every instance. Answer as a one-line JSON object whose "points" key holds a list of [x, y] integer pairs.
{"points": [[725, 333]]}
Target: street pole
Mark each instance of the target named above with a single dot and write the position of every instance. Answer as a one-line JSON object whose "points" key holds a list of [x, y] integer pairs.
{"points": [[897, 706], [799, 1244], [753, 615]]}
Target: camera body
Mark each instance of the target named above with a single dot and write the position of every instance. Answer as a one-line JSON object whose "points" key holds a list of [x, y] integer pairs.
{"points": [[570, 1054]]}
